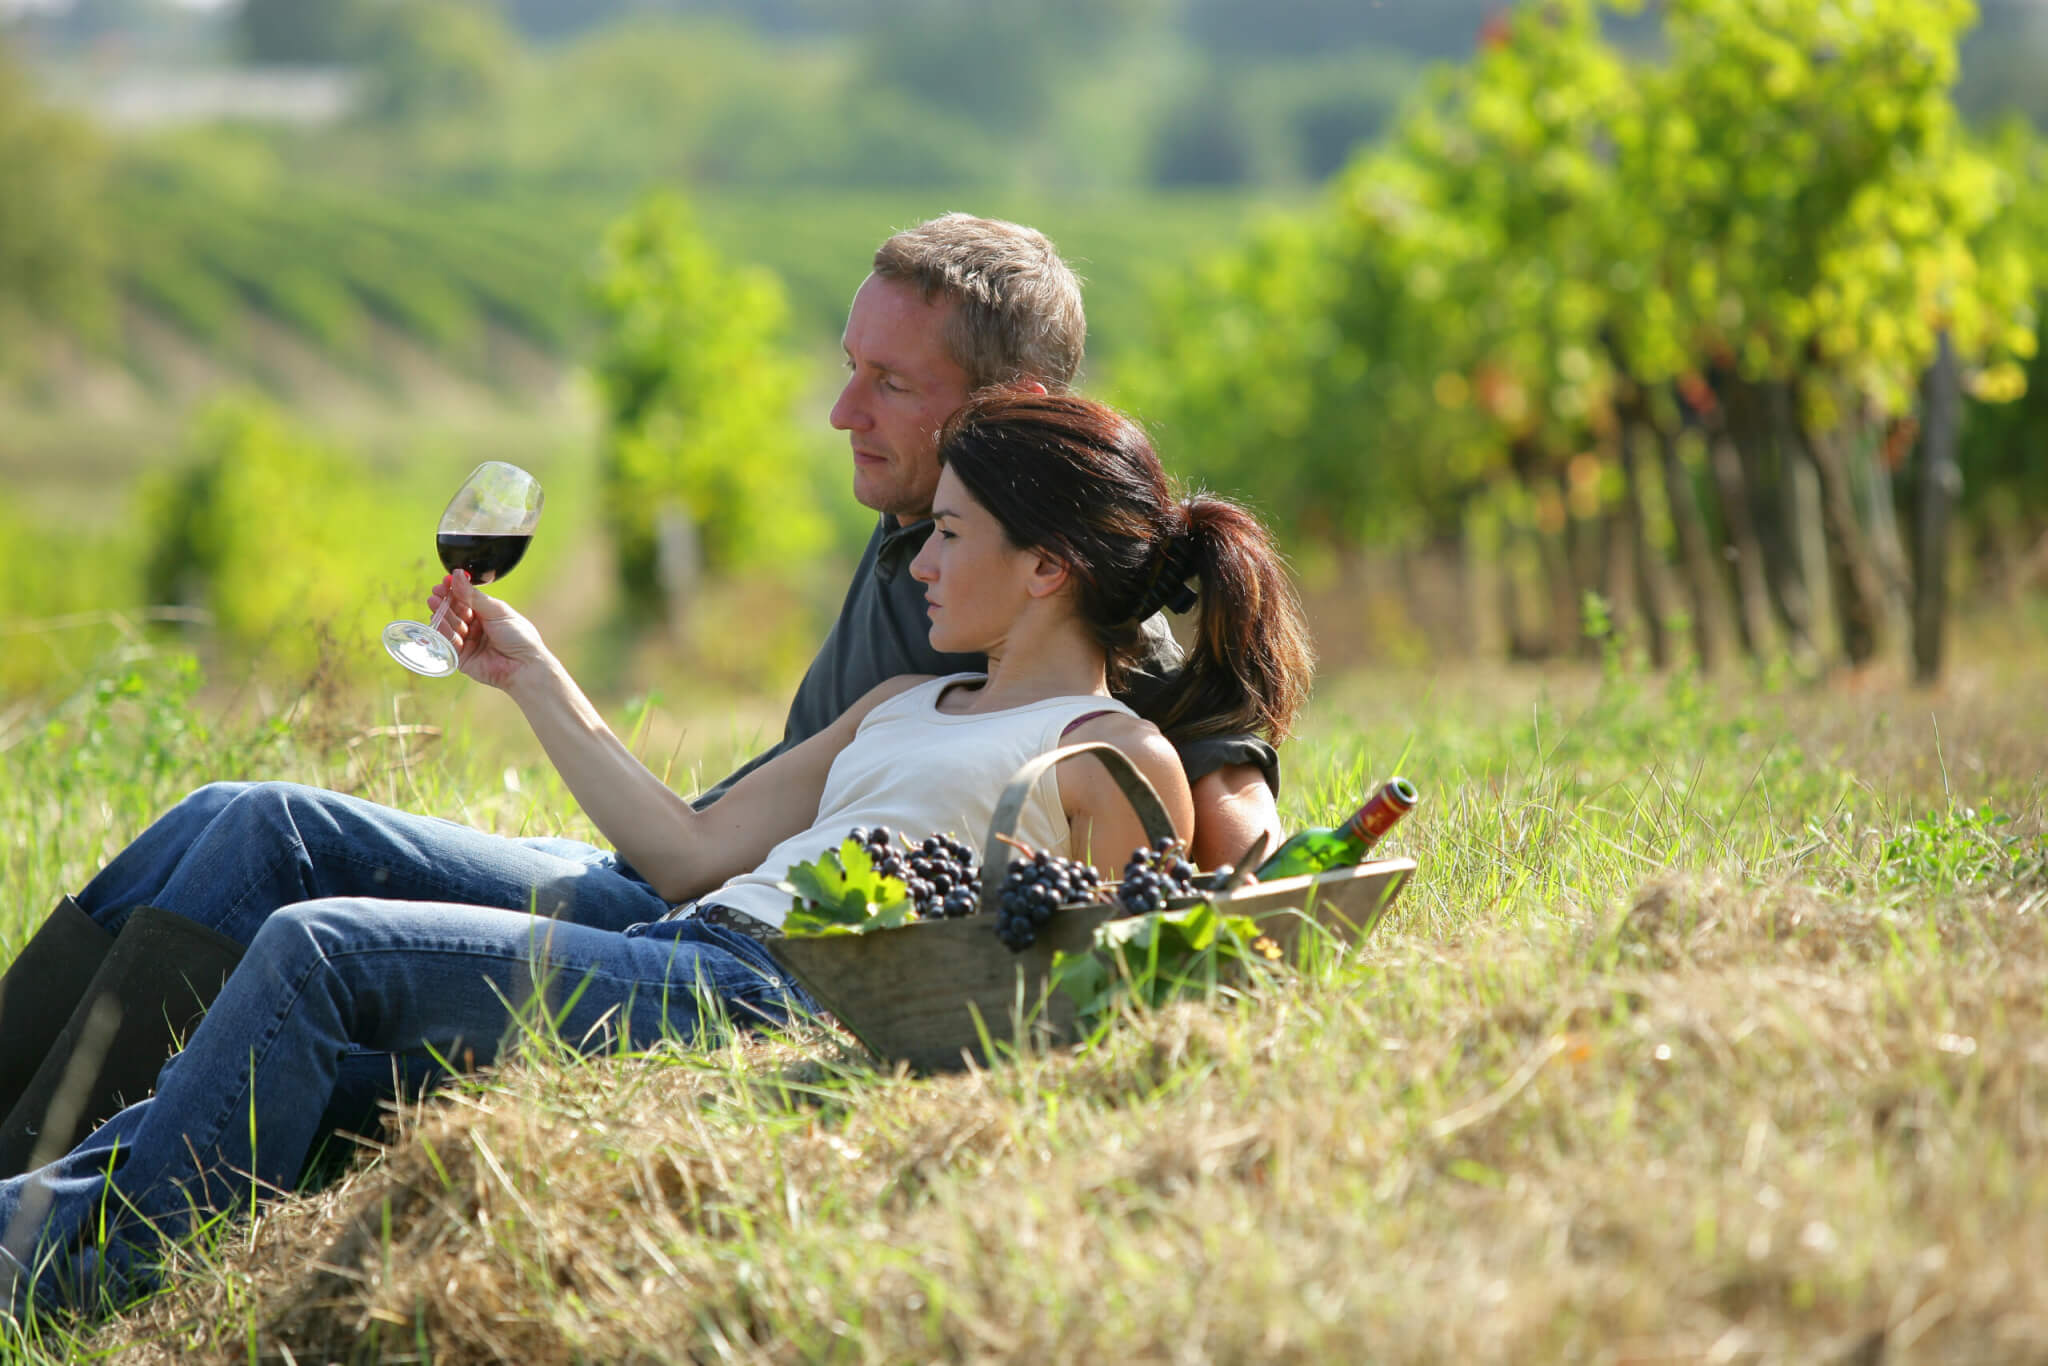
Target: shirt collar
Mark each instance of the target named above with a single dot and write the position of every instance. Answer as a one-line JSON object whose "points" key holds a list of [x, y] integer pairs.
{"points": [[898, 545]]}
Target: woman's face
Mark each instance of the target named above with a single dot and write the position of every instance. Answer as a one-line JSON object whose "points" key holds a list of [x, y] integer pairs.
{"points": [[975, 582]]}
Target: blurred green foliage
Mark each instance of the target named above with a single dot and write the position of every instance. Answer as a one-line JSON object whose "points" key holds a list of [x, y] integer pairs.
{"points": [[930, 93], [287, 32], [280, 538], [1590, 204], [1005, 66], [1784, 190], [51, 235], [64, 590], [711, 104], [699, 391], [450, 57], [208, 228], [2005, 445]]}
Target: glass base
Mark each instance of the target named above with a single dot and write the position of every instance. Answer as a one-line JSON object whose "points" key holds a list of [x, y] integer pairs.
{"points": [[420, 648]]}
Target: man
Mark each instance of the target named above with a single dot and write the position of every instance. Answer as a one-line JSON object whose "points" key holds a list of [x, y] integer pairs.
{"points": [[952, 305]]}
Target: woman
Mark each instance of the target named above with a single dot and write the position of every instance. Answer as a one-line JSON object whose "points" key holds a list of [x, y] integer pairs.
{"points": [[1056, 535]]}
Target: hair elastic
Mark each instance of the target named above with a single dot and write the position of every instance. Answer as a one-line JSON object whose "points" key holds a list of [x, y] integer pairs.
{"points": [[1168, 587]]}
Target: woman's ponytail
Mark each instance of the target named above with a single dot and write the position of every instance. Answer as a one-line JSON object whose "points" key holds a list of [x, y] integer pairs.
{"points": [[1248, 667]]}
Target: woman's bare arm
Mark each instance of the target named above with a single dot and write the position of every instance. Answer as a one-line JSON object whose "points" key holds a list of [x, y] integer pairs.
{"points": [[682, 853], [1104, 827]]}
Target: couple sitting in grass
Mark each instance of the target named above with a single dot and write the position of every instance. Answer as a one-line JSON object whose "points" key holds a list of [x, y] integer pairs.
{"points": [[1055, 538]]}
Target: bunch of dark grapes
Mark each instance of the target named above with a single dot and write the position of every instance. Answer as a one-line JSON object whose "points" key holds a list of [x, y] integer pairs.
{"points": [[940, 872], [1159, 874], [1037, 884]]}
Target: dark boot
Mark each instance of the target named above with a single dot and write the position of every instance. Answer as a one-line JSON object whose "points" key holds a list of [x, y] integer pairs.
{"points": [[158, 979], [42, 987]]}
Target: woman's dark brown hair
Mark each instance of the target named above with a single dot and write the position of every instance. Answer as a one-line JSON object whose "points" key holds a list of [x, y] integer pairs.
{"points": [[1081, 482]]}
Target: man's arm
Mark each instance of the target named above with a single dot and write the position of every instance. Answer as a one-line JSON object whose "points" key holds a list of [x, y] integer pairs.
{"points": [[1234, 777], [1232, 805]]}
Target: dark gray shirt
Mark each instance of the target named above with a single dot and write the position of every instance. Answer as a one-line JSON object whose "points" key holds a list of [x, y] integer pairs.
{"points": [[882, 632]]}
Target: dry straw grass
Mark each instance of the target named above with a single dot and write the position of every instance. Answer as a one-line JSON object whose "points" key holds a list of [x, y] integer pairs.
{"points": [[1680, 1049], [1778, 1148]]}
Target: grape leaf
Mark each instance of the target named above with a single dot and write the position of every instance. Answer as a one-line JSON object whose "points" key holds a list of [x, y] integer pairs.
{"points": [[1156, 957], [840, 892]]}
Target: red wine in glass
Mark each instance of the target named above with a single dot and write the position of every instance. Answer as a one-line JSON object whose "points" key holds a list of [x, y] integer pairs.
{"points": [[483, 533], [484, 558]]}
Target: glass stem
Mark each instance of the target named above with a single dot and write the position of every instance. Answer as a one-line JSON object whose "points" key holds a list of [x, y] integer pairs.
{"points": [[441, 614]]}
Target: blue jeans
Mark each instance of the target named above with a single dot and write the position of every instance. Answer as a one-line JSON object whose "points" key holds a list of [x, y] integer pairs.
{"points": [[231, 854], [238, 1109]]}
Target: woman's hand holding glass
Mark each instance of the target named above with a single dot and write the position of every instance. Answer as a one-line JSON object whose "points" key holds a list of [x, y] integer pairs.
{"points": [[493, 643]]}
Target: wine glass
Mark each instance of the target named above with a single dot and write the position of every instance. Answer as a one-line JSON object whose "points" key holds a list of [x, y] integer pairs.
{"points": [[483, 533]]}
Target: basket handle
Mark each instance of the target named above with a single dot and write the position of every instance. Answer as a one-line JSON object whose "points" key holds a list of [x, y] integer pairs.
{"points": [[995, 852]]}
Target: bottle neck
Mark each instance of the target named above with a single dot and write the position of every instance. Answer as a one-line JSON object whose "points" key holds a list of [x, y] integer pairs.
{"points": [[1372, 820]]}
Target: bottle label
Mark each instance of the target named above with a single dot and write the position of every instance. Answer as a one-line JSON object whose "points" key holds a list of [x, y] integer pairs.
{"points": [[1376, 817]]}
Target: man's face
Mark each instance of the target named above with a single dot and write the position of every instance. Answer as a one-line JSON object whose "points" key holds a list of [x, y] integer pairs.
{"points": [[901, 386]]}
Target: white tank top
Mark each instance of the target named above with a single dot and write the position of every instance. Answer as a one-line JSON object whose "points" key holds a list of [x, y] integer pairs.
{"points": [[920, 771]]}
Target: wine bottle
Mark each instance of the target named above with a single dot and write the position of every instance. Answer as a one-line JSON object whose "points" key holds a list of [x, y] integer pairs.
{"points": [[1322, 848]]}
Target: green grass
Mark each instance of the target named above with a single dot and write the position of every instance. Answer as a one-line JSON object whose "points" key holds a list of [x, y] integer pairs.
{"points": [[1709, 1029]]}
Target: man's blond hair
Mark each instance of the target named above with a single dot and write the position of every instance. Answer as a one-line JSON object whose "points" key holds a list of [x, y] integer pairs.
{"points": [[1017, 313]]}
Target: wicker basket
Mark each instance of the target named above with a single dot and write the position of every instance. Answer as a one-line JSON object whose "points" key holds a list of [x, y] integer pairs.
{"points": [[935, 994]]}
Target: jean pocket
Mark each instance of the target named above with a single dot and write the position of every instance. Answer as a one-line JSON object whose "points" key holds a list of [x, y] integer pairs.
{"points": [[743, 971]]}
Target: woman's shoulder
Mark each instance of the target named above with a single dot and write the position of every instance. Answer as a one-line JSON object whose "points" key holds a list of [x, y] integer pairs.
{"points": [[885, 691], [1142, 742], [1088, 789], [1116, 724]]}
